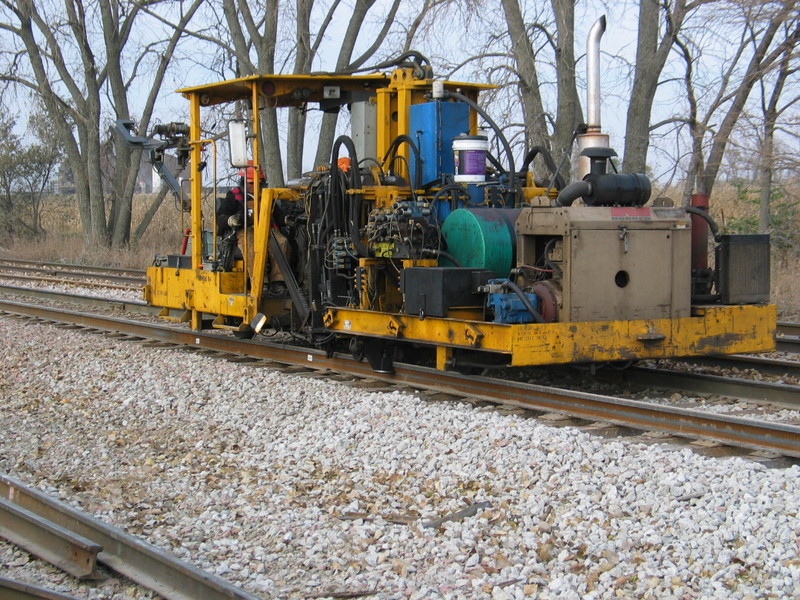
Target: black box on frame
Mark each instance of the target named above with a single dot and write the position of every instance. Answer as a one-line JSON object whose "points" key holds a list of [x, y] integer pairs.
{"points": [[433, 290], [743, 269]]}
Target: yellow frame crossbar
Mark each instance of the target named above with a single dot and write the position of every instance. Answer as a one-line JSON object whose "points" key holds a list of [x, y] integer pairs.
{"points": [[710, 332]]}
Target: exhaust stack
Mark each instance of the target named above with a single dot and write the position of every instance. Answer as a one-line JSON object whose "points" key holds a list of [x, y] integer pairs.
{"points": [[593, 138], [593, 74]]}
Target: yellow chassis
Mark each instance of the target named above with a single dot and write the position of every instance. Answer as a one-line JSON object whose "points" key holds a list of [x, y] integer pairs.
{"points": [[711, 329]]}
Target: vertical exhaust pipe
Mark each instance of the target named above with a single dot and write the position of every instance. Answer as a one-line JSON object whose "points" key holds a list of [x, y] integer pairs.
{"points": [[593, 138], [593, 74]]}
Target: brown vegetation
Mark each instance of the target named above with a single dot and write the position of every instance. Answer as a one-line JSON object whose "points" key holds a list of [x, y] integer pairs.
{"points": [[64, 240]]}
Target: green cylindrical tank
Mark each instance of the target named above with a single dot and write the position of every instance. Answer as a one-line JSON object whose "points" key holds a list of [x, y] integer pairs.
{"points": [[482, 237]]}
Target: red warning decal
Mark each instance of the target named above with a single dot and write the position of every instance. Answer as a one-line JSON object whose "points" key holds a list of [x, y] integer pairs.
{"points": [[630, 213]]}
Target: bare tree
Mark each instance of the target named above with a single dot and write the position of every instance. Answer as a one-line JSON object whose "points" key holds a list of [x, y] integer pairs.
{"points": [[525, 59], [257, 33], [10, 168], [569, 114], [659, 26], [757, 53], [545, 40], [772, 108], [346, 63], [25, 171], [62, 59], [256, 38]]}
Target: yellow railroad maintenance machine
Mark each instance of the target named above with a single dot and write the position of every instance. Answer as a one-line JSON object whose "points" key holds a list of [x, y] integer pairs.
{"points": [[424, 241]]}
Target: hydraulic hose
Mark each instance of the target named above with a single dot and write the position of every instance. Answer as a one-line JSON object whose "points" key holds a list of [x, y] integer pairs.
{"points": [[558, 180], [418, 61], [450, 187], [495, 163], [354, 205], [443, 254], [394, 146]]}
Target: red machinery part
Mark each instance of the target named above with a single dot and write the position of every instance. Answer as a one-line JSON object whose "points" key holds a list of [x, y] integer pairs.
{"points": [[699, 233], [186, 235]]}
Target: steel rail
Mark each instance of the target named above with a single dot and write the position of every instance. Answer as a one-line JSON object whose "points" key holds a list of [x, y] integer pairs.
{"points": [[79, 282], [788, 336], [57, 545], [145, 564], [89, 268], [9, 270], [779, 394], [776, 366], [736, 431], [787, 328], [17, 590], [134, 306], [788, 343]]}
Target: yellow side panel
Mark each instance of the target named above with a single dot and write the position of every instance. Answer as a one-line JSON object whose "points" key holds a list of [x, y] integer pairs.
{"points": [[721, 330], [718, 330], [204, 291]]}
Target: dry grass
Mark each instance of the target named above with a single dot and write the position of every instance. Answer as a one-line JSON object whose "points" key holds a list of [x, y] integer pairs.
{"points": [[786, 285], [64, 241]]}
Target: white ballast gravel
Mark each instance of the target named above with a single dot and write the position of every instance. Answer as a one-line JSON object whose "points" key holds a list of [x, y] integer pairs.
{"points": [[293, 486]]}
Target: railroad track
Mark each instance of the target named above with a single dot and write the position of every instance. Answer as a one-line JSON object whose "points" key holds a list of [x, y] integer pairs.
{"points": [[763, 364], [10, 262], [672, 380], [75, 542], [775, 393], [126, 279], [788, 338], [777, 438]]}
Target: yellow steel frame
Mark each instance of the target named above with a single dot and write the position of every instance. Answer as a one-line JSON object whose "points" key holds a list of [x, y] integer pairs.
{"points": [[714, 330]]}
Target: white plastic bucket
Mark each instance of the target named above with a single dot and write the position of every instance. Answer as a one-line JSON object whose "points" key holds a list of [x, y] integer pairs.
{"points": [[469, 154]]}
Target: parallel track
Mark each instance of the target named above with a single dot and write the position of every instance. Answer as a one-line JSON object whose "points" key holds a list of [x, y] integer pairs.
{"points": [[787, 328], [143, 563], [772, 437], [11, 262], [76, 274], [788, 337], [778, 394], [71, 281], [762, 364]]}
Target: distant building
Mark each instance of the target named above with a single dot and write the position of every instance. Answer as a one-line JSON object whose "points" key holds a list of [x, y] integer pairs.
{"points": [[147, 180]]}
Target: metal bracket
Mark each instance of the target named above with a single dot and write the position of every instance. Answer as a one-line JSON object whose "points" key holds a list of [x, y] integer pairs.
{"points": [[473, 335], [395, 326]]}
